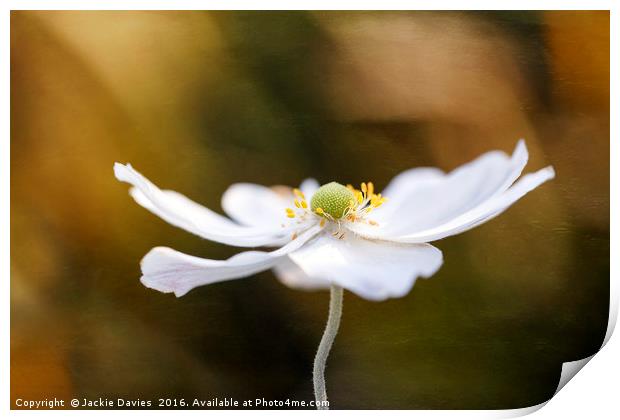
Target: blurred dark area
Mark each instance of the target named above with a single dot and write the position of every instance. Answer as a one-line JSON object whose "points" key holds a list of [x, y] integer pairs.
{"points": [[199, 100]]}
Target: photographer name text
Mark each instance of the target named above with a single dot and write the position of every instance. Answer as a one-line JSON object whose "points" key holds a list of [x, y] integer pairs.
{"points": [[169, 403]]}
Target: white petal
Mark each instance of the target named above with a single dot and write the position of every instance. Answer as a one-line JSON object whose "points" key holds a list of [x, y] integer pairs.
{"points": [[182, 212], [422, 198], [474, 217], [291, 275], [167, 270], [256, 205], [373, 270], [309, 187]]}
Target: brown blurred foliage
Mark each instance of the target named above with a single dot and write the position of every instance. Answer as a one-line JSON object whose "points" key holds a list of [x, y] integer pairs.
{"points": [[199, 100]]}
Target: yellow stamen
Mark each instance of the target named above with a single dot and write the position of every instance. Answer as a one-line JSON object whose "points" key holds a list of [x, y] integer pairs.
{"points": [[362, 203], [294, 236], [379, 202], [299, 194]]}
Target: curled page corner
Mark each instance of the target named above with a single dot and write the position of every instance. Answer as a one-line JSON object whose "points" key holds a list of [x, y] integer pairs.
{"points": [[570, 369]]}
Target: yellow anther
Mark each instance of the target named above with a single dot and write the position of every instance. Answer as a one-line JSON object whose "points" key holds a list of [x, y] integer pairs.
{"points": [[379, 202], [294, 236], [299, 194], [358, 204]]}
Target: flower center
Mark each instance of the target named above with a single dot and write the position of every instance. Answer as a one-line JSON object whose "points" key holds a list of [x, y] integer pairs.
{"points": [[336, 204], [333, 199]]}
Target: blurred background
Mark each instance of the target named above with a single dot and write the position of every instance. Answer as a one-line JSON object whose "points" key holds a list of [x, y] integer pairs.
{"points": [[199, 100]]}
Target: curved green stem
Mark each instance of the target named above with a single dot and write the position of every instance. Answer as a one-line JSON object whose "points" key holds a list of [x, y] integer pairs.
{"points": [[331, 329]]}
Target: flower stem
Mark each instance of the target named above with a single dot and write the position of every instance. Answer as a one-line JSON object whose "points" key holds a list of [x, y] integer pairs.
{"points": [[331, 329]]}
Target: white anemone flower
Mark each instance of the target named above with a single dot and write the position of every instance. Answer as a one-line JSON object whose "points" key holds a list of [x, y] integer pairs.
{"points": [[334, 236]]}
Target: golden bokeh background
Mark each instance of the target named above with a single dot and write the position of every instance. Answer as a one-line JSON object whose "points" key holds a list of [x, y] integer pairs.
{"points": [[199, 100]]}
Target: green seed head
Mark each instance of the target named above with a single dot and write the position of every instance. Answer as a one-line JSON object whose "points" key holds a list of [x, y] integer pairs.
{"points": [[333, 199]]}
